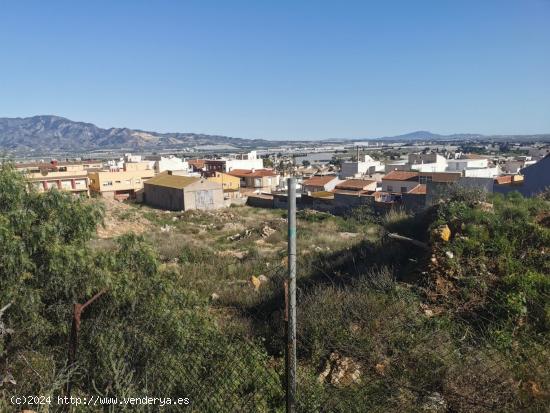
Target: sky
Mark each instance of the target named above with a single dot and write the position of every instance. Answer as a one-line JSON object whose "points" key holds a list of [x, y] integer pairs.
{"points": [[281, 69]]}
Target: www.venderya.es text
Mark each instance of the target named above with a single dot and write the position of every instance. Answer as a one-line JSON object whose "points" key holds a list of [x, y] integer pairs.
{"points": [[100, 401]]}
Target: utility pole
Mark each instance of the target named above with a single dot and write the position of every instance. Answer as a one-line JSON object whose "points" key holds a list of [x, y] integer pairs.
{"points": [[291, 300]]}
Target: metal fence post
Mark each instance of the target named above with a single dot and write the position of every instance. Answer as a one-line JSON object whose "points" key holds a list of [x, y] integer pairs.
{"points": [[291, 300]]}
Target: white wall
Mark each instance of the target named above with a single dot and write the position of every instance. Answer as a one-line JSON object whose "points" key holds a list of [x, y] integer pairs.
{"points": [[482, 172], [231, 164], [171, 163], [462, 164]]}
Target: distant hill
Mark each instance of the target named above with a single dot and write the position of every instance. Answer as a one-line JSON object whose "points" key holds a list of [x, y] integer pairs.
{"points": [[429, 136], [54, 133], [57, 133]]}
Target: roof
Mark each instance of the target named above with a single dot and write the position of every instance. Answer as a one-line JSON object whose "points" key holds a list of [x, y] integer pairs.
{"points": [[354, 184], [197, 163], [401, 176], [318, 180], [419, 189], [508, 179], [322, 194], [253, 173], [172, 181], [474, 156], [442, 176]]}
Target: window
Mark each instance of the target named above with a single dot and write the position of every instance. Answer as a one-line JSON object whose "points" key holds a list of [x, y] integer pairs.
{"points": [[425, 179], [403, 189], [390, 188]]}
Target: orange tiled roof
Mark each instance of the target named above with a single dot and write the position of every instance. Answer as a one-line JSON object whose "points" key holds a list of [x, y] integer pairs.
{"points": [[401, 176], [419, 189], [318, 180], [442, 176], [197, 163], [256, 173]]}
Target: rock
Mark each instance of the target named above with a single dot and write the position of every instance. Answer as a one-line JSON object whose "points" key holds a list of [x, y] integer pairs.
{"points": [[484, 206], [255, 282], [449, 254], [267, 231], [435, 403], [166, 228], [214, 297], [443, 232], [7, 378], [263, 279], [348, 235], [381, 367], [340, 371], [174, 218]]}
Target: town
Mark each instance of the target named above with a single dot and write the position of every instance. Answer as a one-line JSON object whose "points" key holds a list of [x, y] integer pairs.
{"points": [[330, 179]]}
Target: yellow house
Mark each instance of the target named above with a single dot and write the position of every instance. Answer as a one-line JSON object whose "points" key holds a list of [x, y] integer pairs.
{"points": [[120, 184], [230, 184]]}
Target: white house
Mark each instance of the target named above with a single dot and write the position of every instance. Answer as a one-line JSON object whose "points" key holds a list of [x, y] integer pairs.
{"points": [[248, 160], [367, 166], [170, 163], [427, 162]]}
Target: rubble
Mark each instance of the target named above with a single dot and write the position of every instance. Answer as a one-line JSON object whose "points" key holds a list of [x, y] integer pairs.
{"points": [[247, 233], [435, 403], [267, 231], [340, 371]]}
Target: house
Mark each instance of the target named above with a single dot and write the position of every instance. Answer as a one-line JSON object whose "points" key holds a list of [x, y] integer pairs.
{"points": [[320, 184], [356, 185], [442, 177], [120, 184], [427, 162], [170, 163], [367, 166], [197, 165], [230, 184], [64, 176], [246, 161], [182, 193], [257, 180], [400, 181], [536, 179]]}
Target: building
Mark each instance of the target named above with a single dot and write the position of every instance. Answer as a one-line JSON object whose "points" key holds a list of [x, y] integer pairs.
{"points": [[257, 180], [120, 184], [170, 163], [320, 184], [427, 162], [197, 165], [182, 193], [400, 181], [367, 166], [230, 184], [64, 176], [245, 161], [356, 185], [536, 179]]}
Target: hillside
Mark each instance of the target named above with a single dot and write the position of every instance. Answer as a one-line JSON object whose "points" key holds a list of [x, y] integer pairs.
{"points": [[60, 134], [193, 307], [47, 133]]}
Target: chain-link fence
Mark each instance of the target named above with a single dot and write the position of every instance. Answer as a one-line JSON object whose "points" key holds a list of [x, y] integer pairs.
{"points": [[383, 325]]}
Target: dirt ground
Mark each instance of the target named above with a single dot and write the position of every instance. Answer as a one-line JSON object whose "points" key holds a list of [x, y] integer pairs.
{"points": [[121, 218]]}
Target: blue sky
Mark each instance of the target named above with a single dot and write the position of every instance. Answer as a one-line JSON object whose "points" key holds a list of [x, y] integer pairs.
{"points": [[281, 69]]}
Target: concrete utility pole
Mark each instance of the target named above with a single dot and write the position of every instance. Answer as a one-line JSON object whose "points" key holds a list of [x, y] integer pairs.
{"points": [[291, 300]]}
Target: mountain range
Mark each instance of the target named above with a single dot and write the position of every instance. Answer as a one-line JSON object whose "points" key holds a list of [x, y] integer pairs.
{"points": [[55, 133]]}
